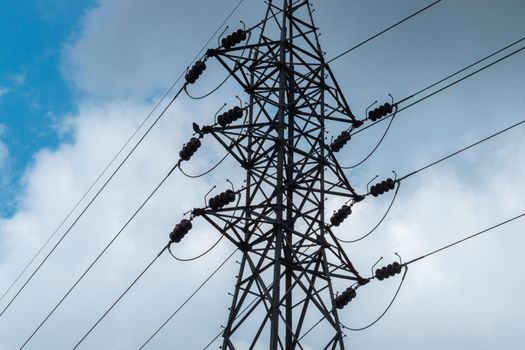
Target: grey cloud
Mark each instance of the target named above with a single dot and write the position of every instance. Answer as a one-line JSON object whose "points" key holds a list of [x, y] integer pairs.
{"points": [[468, 296]]}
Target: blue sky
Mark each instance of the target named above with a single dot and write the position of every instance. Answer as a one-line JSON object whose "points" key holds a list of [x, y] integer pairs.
{"points": [[33, 93], [77, 77]]}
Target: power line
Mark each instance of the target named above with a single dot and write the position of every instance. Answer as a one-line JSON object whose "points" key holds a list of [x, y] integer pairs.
{"points": [[463, 78], [463, 149], [376, 146], [89, 204], [187, 300], [121, 296], [466, 238], [445, 87], [198, 256], [463, 69], [378, 224], [98, 257], [207, 171], [430, 165], [427, 255], [384, 312], [170, 89], [383, 31]]}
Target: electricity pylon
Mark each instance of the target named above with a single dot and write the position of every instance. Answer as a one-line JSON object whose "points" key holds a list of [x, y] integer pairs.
{"points": [[290, 256]]}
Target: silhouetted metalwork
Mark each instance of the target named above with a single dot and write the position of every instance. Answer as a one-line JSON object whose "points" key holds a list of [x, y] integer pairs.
{"points": [[290, 256], [382, 187]]}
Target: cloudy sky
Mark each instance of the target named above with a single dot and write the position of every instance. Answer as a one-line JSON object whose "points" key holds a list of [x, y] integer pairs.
{"points": [[77, 78]]}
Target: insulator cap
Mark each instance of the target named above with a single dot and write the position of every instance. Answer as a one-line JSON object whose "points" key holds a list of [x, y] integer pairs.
{"points": [[195, 72], [233, 39], [180, 230], [388, 271], [230, 116], [340, 141], [380, 112], [382, 187], [345, 297], [222, 199], [340, 215], [189, 149]]}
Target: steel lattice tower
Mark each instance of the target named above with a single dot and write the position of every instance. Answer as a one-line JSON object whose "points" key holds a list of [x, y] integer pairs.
{"points": [[290, 256]]}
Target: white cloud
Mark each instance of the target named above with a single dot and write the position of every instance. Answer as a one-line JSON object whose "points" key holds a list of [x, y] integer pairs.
{"points": [[132, 49], [135, 48]]}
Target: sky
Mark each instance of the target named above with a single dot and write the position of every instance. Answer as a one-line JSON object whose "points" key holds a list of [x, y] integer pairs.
{"points": [[77, 78]]}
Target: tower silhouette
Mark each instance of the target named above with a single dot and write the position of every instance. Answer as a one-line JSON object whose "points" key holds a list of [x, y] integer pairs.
{"points": [[290, 256]]}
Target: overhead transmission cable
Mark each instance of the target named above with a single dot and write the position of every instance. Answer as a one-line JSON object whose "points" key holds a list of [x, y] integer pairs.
{"points": [[187, 300], [376, 146], [89, 204], [135, 132], [135, 281], [383, 31], [121, 296], [466, 238], [377, 225], [502, 131], [197, 256], [448, 85], [118, 233], [430, 165], [356, 329], [463, 149], [108, 245], [393, 115], [207, 171], [463, 69], [427, 255]]}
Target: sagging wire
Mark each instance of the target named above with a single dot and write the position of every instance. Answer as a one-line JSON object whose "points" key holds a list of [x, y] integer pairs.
{"points": [[196, 257], [384, 312], [380, 221], [167, 247], [393, 116], [405, 265], [225, 79], [215, 244], [206, 172], [209, 93], [170, 89]]}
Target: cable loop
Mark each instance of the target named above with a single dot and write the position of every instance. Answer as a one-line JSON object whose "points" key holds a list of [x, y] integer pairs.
{"points": [[378, 224], [209, 93], [384, 312], [206, 172], [393, 116], [196, 257]]}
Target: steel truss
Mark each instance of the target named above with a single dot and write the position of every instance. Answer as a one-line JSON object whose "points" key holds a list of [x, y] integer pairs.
{"points": [[289, 254]]}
